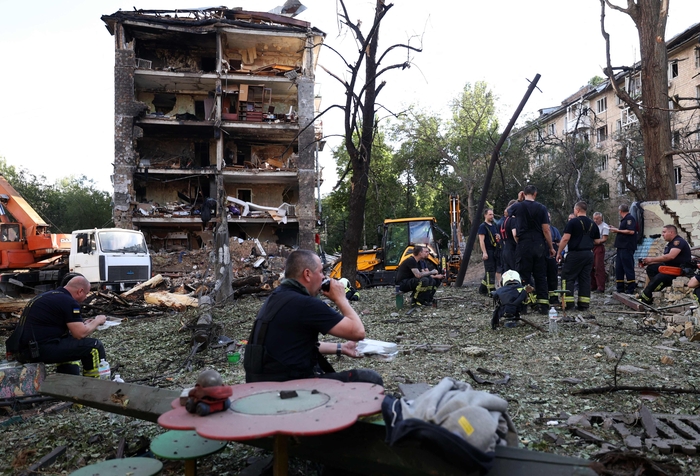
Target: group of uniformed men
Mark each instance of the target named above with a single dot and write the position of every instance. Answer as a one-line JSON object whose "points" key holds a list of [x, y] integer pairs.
{"points": [[533, 247], [527, 243]]}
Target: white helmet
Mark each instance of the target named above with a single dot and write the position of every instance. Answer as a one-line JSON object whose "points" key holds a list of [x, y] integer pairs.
{"points": [[509, 276], [345, 282]]}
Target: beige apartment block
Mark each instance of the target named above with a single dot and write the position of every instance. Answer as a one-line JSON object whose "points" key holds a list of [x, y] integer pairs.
{"points": [[215, 103], [595, 114]]}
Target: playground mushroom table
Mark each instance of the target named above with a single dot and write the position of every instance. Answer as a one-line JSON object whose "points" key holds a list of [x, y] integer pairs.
{"points": [[304, 407]]}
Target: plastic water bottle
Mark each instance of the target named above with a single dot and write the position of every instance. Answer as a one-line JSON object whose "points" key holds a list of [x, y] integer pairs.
{"points": [[113, 417], [553, 328], [104, 370]]}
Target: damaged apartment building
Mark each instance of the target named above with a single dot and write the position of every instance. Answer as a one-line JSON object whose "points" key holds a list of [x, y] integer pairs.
{"points": [[218, 104]]}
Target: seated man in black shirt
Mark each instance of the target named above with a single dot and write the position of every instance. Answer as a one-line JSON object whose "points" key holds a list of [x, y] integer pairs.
{"points": [[676, 253], [52, 327], [413, 275], [284, 342]]}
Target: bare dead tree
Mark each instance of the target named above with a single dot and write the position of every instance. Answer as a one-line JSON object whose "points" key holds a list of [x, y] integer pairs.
{"points": [[360, 111]]}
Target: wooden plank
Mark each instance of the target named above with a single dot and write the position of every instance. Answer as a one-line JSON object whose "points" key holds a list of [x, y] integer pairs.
{"points": [[586, 435], [275, 163], [144, 403], [361, 449], [9, 305], [633, 442], [629, 301], [684, 430], [648, 421], [47, 460], [622, 430]]}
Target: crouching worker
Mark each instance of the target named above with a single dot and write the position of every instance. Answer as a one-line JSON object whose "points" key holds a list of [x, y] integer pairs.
{"points": [[694, 282], [414, 275], [284, 344], [509, 299], [52, 331], [676, 255]]}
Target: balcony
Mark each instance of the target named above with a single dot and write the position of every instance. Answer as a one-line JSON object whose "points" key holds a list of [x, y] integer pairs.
{"points": [[581, 123]]}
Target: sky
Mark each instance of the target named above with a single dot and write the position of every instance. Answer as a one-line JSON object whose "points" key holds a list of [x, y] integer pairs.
{"points": [[57, 57]]}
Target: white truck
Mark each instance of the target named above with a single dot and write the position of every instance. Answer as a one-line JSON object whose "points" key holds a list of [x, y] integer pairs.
{"points": [[110, 258]]}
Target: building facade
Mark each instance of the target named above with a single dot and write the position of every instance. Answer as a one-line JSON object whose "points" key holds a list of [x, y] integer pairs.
{"points": [[215, 103], [596, 115]]}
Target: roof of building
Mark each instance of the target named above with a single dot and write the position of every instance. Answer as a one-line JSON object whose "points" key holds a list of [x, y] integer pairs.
{"points": [[680, 39], [210, 17]]}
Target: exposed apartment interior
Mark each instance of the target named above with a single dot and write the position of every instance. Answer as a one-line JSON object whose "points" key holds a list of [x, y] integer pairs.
{"points": [[214, 117]]}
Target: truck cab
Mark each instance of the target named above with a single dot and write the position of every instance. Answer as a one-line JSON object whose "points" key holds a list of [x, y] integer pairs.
{"points": [[110, 258]]}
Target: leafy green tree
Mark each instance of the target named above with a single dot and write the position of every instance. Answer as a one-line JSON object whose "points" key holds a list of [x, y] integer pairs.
{"points": [[82, 205], [69, 204], [452, 156]]}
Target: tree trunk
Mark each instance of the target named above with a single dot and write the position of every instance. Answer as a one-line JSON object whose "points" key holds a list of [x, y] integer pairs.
{"points": [[222, 259], [650, 19], [360, 156], [471, 206]]}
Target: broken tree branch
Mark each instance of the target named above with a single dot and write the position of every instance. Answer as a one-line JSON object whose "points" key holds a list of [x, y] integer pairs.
{"points": [[539, 328], [622, 355], [634, 388]]}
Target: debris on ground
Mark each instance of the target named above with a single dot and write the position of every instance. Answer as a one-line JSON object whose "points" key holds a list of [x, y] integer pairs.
{"points": [[538, 373]]}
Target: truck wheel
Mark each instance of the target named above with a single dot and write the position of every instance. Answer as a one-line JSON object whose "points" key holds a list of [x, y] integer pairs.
{"points": [[362, 281], [191, 405]]}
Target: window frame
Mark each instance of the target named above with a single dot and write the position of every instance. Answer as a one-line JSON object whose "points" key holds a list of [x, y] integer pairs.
{"points": [[602, 105], [601, 133], [677, 175]]}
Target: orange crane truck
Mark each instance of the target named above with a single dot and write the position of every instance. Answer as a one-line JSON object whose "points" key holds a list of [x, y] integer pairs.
{"points": [[33, 258]]}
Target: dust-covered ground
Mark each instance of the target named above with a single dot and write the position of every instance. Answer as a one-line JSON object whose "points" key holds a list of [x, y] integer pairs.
{"points": [[155, 351]]}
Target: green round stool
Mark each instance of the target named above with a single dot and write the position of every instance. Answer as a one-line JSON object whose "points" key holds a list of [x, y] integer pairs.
{"points": [[187, 445], [122, 467]]}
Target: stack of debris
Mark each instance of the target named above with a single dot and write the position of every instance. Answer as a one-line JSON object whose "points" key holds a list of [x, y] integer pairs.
{"points": [[681, 325]]}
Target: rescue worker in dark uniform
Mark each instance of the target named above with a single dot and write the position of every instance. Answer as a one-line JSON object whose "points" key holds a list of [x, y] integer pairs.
{"points": [[509, 300], [534, 239], [694, 282], [676, 253], [626, 244], [490, 244], [580, 234], [52, 325], [413, 275], [284, 343], [552, 266], [507, 241]]}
